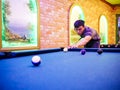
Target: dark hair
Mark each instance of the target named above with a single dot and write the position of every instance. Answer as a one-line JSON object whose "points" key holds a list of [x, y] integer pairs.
{"points": [[79, 23]]}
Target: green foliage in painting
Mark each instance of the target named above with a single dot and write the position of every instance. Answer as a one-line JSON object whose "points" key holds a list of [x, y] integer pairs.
{"points": [[5, 12], [32, 6]]}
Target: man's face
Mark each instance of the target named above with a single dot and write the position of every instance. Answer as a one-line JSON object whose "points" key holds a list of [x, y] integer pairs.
{"points": [[79, 30]]}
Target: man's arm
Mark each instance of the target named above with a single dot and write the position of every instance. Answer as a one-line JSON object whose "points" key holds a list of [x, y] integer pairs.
{"points": [[82, 42]]}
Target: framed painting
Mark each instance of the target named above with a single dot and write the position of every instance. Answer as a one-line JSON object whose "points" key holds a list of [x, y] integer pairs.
{"points": [[19, 25]]}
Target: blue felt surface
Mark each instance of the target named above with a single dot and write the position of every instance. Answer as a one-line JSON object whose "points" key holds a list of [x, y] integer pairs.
{"points": [[62, 71]]}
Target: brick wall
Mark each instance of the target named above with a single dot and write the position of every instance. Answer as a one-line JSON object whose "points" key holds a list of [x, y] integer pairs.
{"points": [[54, 20]]}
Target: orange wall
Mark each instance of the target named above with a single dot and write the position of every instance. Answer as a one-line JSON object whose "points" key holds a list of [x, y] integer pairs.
{"points": [[54, 18]]}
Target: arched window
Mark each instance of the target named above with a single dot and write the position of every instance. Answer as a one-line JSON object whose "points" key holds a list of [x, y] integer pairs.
{"points": [[75, 14], [103, 29]]}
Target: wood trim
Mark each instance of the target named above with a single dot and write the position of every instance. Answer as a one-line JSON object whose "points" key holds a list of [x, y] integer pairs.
{"points": [[111, 5], [38, 23]]}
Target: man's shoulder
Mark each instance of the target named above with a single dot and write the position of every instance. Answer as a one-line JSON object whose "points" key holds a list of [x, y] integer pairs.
{"points": [[87, 28], [87, 31]]}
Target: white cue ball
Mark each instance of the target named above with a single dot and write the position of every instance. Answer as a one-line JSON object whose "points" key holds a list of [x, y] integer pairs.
{"points": [[65, 49], [36, 60]]}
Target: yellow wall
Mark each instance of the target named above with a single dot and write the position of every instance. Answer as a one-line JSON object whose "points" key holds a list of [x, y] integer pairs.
{"points": [[54, 18], [93, 9]]}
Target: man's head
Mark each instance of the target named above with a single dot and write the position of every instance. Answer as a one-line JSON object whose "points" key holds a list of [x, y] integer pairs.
{"points": [[79, 26]]}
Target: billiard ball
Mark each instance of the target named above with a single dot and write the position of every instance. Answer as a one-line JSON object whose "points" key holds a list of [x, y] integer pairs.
{"points": [[99, 51], [109, 46], [83, 51], [36, 60], [116, 45], [65, 49]]}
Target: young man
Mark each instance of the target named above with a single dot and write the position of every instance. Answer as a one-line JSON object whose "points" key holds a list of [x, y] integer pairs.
{"points": [[89, 36]]}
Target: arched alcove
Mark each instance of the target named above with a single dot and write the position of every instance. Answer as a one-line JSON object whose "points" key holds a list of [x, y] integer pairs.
{"points": [[103, 29], [75, 14]]}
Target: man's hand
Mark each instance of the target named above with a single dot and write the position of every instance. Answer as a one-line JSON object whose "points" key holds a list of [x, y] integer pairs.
{"points": [[81, 42], [72, 46]]}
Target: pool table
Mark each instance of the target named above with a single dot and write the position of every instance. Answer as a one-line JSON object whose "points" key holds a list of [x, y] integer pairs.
{"points": [[61, 70]]}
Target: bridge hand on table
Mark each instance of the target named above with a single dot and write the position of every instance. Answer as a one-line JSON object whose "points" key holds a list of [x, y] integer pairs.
{"points": [[72, 46]]}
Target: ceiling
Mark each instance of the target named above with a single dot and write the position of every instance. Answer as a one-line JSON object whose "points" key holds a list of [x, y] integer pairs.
{"points": [[112, 2]]}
